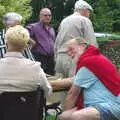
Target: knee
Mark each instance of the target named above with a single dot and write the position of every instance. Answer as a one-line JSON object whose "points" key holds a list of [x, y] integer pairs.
{"points": [[77, 116], [64, 117]]}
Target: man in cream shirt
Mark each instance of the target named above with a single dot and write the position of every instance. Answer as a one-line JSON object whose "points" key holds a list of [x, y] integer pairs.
{"points": [[77, 24], [16, 72]]}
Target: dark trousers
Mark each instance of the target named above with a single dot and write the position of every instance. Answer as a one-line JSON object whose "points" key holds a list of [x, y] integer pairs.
{"points": [[18, 106], [47, 62]]}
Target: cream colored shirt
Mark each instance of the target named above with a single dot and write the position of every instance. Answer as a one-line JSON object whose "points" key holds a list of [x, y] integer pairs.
{"points": [[20, 74], [73, 26]]}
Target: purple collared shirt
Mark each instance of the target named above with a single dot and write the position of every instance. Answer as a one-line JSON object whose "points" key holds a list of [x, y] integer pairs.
{"points": [[43, 37]]}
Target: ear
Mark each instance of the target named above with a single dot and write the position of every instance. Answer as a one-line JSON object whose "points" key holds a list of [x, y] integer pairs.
{"points": [[17, 22], [82, 47]]}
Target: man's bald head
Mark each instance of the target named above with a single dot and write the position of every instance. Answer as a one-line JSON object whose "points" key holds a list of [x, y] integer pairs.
{"points": [[45, 10], [45, 15]]}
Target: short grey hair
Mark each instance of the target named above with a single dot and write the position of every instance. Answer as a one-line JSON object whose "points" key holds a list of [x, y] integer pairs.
{"points": [[82, 5], [10, 17]]}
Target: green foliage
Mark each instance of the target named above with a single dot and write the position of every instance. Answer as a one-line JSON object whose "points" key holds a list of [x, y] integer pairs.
{"points": [[20, 6], [111, 48], [100, 17], [59, 8], [115, 14], [105, 17]]}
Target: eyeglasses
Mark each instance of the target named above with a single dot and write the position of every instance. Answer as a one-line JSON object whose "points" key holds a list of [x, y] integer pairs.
{"points": [[46, 15]]}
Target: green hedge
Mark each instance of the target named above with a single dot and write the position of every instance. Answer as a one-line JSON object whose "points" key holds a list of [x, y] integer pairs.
{"points": [[110, 46]]}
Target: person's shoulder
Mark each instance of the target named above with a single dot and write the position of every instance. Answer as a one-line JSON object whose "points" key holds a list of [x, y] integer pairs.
{"points": [[75, 17], [36, 23], [82, 18], [86, 19], [67, 17], [32, 65], [84, 69], [31, 62], [33, 24]]}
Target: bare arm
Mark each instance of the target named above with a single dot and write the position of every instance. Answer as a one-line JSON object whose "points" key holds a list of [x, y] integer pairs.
{"points": [[61, 83], [42, 80], [72, 97], [31, 43]]}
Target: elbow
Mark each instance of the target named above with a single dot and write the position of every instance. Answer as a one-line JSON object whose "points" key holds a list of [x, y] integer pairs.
{"points": [[48, 91]]}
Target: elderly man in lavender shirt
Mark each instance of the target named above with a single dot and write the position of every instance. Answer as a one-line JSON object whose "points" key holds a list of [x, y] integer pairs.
{"points": [[44, 36]]}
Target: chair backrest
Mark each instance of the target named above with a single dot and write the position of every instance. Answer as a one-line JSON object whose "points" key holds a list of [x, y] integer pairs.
{"points": [[41, 103], [22, 105]]}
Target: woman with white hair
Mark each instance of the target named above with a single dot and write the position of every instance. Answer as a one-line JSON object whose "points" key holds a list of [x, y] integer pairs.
{"points": [[11, 19]]}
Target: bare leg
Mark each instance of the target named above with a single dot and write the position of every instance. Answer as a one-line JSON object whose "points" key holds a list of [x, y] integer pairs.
{"points": [[67, 114], [89, 113]]}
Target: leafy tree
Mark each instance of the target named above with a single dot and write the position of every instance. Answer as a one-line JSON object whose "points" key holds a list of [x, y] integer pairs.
{"points": [[101, 18], [105, 17], [20, 6], [59, 8], [115, 14]]}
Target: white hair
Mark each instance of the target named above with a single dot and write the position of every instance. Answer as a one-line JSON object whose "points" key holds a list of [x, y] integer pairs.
{"points": [[82, 5], [10, 17]]}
